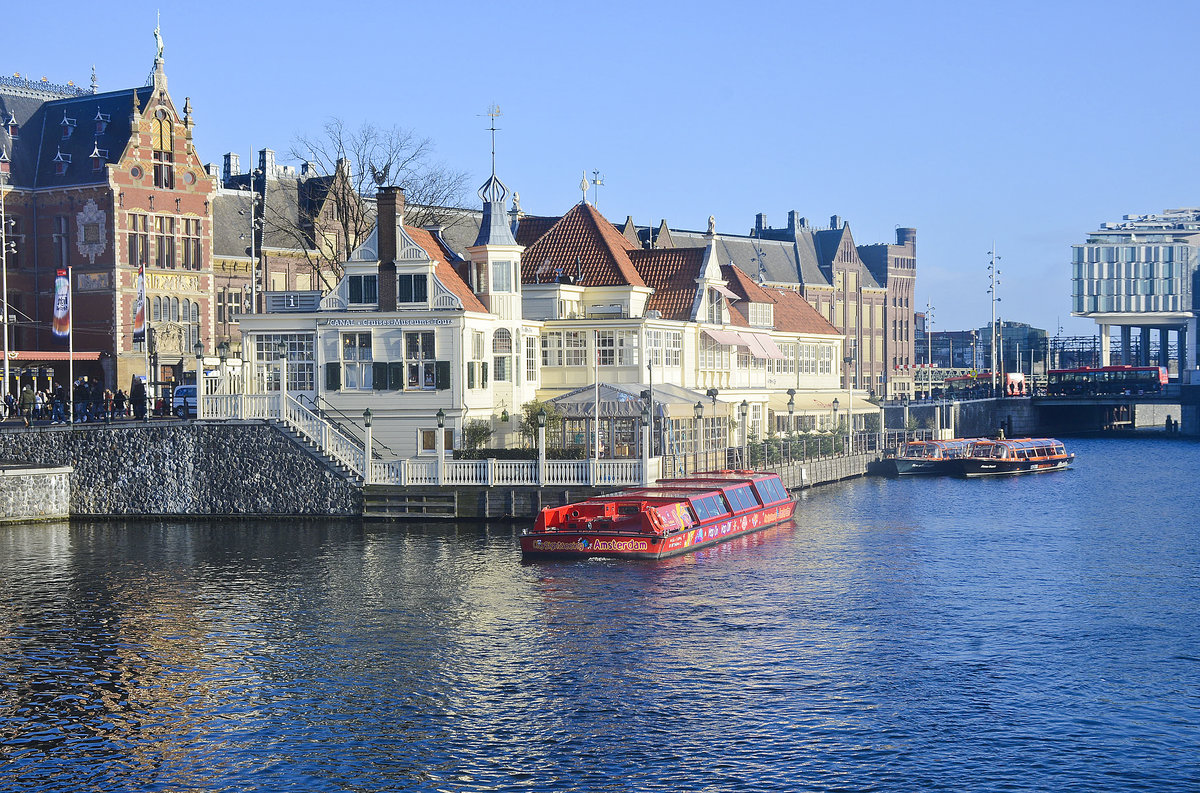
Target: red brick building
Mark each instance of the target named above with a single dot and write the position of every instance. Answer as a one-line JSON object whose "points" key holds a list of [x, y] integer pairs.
{"points": [[101, 183]]}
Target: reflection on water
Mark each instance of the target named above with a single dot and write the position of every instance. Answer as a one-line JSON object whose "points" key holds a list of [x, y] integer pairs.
{"points": [[1018, 634]]}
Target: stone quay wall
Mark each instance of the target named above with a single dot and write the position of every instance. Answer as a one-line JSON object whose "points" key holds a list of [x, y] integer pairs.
{"points": [[185, 468], [34, 493]]}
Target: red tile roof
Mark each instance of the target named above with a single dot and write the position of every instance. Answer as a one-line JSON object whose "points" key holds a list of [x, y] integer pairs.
{"points": [[672, 274], [794, 314], [584, 236], [530, 228], [444, 272]]}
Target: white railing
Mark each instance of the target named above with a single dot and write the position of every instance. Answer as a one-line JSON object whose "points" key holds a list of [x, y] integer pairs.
{"points": [[222, 400]]}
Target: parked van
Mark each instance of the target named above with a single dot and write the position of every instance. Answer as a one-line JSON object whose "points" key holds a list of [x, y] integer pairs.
{"points": [[183, 402]]}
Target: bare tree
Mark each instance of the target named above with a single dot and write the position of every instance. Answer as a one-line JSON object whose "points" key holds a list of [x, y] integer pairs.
{"points": [[330, 212]]}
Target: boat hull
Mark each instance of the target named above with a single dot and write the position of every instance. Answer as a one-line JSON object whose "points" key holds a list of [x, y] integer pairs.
{"points": [[627, 545], [985, 467], [925, 467]]}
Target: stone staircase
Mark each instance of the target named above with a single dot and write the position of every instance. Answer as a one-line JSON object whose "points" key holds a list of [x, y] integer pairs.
{"points": [[314, 450]]}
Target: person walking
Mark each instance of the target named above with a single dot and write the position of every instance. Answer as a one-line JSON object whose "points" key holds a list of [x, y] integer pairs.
{"points": [[27, 403], [119, 404]]}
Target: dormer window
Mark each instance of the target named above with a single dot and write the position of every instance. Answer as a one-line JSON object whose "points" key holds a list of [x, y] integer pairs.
{"points": [[4, 162], [362, 289], [61, 161], [102, 120], [68, 126], [762, 315], [99, 157], [13, 127], [412, 288], [715, 315]]}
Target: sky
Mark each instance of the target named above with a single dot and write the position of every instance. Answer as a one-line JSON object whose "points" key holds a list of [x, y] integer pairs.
{"points": [[1018, 127]]}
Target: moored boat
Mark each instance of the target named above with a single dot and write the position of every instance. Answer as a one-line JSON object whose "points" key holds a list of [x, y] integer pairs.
{"points": [[930, 457], [1015, 456], [673, 516]]}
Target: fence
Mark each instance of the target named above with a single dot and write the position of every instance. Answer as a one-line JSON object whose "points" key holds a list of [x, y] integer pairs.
{"points": [[785, 449]]}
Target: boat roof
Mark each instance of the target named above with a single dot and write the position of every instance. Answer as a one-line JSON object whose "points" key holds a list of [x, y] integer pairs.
{"points": [[1021, 443]]}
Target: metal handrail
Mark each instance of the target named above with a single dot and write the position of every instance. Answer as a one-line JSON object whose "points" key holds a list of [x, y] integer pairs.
{"points": [[323, 409]]}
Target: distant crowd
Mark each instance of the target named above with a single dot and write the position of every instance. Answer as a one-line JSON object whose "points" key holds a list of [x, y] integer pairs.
{"points": [[92, 402]]}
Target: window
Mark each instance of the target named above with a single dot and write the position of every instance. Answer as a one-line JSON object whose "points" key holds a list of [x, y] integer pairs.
{"points": [[605, 348], [531, 360], [762, 315], [477, 367], [713, 355], [229, 305], [191, 243], [419, 355], [62, 248], [301, 359], [102, 120], [412, 288], [714, 315], [99, 158], [552, 348], [502, 280], [502, 348], [357, 361], [627, 348], [616, 347], [575, 348], [163, 140], [139, 240], [68, 127], [429, 440], [363, 289], [164, 231], [673, 353]]}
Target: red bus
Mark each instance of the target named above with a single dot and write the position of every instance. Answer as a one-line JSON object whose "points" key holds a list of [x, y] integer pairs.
{"points": [[1106, 380]]}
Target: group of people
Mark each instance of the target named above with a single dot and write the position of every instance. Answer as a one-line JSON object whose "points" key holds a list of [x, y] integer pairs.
{"points": [[92, 402]]}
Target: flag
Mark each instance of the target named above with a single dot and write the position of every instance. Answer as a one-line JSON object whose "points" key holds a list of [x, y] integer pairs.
{"points": [[62, 305], [139, 307]]}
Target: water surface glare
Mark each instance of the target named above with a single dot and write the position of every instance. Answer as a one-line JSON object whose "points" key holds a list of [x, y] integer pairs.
{"points": [[1032, 633]]}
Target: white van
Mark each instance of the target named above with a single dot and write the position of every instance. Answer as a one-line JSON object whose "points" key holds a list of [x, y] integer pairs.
{"points": [[183, 402]]}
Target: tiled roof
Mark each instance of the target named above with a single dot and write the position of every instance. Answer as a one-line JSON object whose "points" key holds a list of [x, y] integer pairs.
{"points": [[584, 236], [744, 286], [231, 229], [794, 314], [530, 228], [444, 271], [672, 273]]}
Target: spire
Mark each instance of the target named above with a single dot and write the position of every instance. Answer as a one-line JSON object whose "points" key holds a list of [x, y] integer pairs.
{"points": [[494, 230], [95, 85], [583, 185], [158, 77]]}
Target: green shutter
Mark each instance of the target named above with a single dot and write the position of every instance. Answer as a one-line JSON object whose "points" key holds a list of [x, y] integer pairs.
{"points": [[443, 375], [470, 374], [333, 376], [379, 373], [395, 376], [483, 372]]}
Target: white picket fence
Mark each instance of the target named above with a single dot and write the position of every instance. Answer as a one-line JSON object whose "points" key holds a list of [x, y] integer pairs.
{"points": [[217, 404]]}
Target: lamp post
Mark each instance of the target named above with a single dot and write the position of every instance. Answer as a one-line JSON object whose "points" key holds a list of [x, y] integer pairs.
{"points": [[744, 411], [223, 352], [367, 443], [541, 424], [440, 445], [994, 281], [281, 350], [791, 392], [850, 361], [929, 357], [836, 403], [645, 446], [698, 413], [198, 348], [5, 224], [255, 227]]}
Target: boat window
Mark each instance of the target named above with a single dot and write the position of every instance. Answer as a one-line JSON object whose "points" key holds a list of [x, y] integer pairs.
{"points": [[717, 505], [627, 509], [740, 498]]}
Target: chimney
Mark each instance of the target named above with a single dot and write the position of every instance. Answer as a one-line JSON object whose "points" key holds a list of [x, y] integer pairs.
{"points": [[232, 167], [906, 237], [307, 169], [760, 223], [835, 222], [266, 162], [794, 221], [389, 202]]}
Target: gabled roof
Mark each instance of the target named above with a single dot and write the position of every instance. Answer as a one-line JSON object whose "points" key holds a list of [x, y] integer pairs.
{"points": [[743, 285], [672, 273], [531, 228], [444, 271], [584, 236]]}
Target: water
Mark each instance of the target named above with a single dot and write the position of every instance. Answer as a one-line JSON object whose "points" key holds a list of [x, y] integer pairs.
{"points": [[1033, 633]]}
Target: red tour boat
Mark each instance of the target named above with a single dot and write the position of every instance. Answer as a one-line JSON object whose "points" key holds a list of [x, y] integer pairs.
{"points": [[671, 517]]}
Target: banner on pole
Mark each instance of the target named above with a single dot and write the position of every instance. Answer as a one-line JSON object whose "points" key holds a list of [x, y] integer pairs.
{"points": [[62, 305], [139, 307]]}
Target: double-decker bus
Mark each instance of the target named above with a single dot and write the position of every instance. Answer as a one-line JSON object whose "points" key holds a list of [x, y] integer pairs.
{"points": [[1106, 380], [979, 385]]}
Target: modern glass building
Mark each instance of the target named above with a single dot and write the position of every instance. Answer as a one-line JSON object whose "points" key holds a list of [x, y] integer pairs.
{"points": [[1141, 273]]}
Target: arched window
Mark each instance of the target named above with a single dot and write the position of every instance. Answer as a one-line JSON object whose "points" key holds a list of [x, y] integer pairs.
{"points": [[501, 342], [156, 315], [195, 312], [163, 140], [174, 309]]}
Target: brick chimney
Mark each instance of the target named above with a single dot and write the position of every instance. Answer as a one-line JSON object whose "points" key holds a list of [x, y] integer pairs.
{"points": [[390, 204]]}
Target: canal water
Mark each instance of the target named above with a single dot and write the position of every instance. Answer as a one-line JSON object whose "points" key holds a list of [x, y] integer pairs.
{"points": [[1027, 634]]}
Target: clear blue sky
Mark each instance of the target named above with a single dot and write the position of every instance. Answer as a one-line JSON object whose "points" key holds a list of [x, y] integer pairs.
{"points": [[1026, 123]]}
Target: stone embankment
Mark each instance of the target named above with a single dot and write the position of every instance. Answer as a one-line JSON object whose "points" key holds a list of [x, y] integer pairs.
{"points": [[160, 469]]}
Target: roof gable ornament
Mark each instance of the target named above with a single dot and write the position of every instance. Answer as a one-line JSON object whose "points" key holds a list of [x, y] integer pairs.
{"points": [[583, 185]]}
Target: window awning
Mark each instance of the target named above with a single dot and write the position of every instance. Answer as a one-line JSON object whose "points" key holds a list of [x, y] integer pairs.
{"points": [[726, 337], [762, 346], [727, 292]]}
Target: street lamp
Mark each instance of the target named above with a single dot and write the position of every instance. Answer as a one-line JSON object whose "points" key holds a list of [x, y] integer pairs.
{"points": [[367, 443], [698, 413], [198, 348], [744, 410], [994, 281], [281, 351], [791, 392], [541, 424], [6, 223], [440, 444], [836, 403]]}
